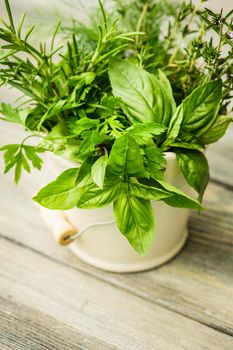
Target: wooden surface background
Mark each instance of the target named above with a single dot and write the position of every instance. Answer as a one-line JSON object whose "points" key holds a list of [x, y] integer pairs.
{"points": [[51, 300]]}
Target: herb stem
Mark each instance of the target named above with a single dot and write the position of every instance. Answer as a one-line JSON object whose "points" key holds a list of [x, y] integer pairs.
{"points": [[141, 21], [178, 46]]}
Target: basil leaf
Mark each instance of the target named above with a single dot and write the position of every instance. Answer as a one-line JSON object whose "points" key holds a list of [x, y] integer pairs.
{"points": [[125, 157], [94, 197], [144, 97], [200, 108], [178, 198], [61, 194], [134, 217], [195, 169], [188, 141], [147, 192], [85, 169], [174, 127], [186, 145], [98, 170], [217, 129], [167, 92]]}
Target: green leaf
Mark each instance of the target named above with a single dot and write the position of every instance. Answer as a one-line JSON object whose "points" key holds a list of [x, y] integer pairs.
{"points": [[31, 154], [146, 131], [91, 139], [147, 192], [18, 167], [13, 115], [188, 141], [167, 93], [82, 79], [195, 169], [25, 164], [217, 129], [83, 124], [186, 145], [20, 163], [196, 113], [154, 162], [114, 125], [174, 127], [200, 108], [53, 110], [125, 157], [8, 8], [56, 108], [98, 170], [94, 197], [10, 151], [85, 169], [111, 103], [178, 198], [63, 193], [14, 157], [144, 97], [134, 217]]}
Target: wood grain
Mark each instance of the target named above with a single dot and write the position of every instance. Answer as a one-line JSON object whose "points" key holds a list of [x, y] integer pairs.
{"points": [[96, 309], [24, 327], [220, 157]]}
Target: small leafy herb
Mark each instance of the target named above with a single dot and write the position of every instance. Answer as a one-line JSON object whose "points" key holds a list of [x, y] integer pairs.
{"points": [[19, 156], [114, 98]]}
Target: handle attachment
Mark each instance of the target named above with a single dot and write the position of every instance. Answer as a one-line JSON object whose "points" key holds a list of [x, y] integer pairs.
{"points": [[63, 232], [61, 228]]}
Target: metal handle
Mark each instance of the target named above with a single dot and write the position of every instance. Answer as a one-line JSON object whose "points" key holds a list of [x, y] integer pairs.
{"points": [[63, 231], [85, 229]]}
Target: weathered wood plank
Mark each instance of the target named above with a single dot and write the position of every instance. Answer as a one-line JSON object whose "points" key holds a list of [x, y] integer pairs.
{"points": [[96, 309], [23, 328], [220, 156]]}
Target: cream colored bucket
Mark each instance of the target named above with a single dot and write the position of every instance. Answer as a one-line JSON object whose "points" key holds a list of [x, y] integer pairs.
{"points": [[99, 242]]}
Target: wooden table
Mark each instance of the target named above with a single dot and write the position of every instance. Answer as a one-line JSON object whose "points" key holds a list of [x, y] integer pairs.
{"points": [[51, 300]]}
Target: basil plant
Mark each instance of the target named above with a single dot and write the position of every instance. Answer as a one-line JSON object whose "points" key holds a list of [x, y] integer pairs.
{"points": [[93, 101]]}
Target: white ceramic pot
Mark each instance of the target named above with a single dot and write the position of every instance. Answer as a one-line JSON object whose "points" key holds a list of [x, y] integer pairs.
{"points": [[102, 245]]}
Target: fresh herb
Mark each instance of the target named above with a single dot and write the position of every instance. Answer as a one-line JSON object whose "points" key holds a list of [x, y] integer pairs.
{"points": [[115, 102]]}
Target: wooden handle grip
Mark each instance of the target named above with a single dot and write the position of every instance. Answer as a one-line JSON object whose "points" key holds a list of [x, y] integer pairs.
{"points": [[61, 228]]}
